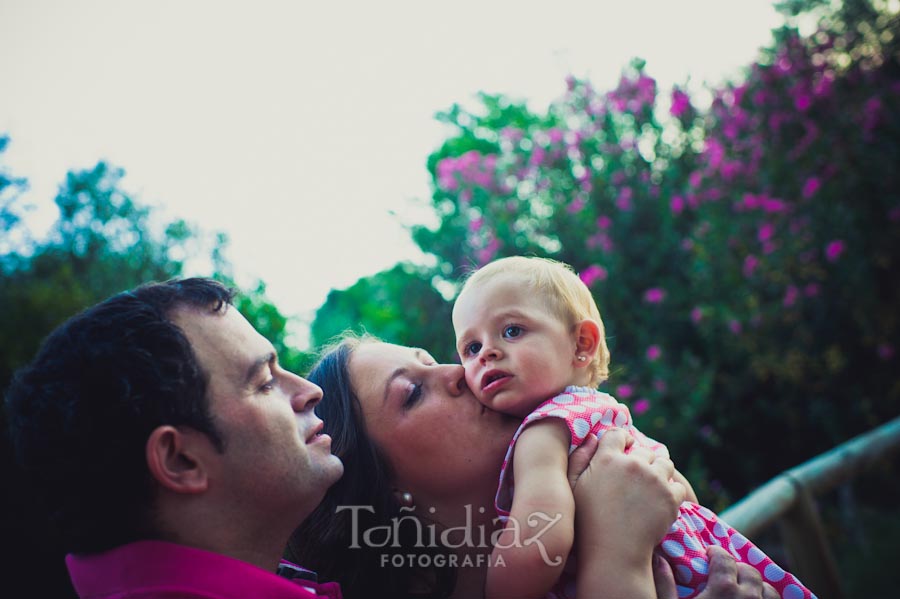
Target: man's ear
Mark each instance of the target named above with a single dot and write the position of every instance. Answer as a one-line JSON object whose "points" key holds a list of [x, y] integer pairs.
{"points": [[587, 340], [178, 458]]}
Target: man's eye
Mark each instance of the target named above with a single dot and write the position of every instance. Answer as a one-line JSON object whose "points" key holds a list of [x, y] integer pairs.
{"points": [[512, 331], [473, 348], [268, 386]]}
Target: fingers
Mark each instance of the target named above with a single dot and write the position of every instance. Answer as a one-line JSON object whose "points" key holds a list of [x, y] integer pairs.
{"points": [[750, 578], [663, 579], [613, 441], [769, 592], [581, 459], [722, 568]]}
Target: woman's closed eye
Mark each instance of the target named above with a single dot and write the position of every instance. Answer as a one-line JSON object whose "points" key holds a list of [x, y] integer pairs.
{"points": [[413, 395]]}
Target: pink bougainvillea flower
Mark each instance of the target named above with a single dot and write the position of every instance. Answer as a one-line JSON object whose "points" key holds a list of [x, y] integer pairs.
{"points": [[773, 205], [592, 274], [475, 224], [695, 179], [766, 230], [575, 206], [623, 199], [734, 326], [653, 353], [680, 103], [640, 406], [604, 222], [790, 296], [677, 204], [802, 101], [654, 295], [750, 264], [811, 290], [834, 249], [696, 315], [624, 391], [659, 385], [811, 186]]}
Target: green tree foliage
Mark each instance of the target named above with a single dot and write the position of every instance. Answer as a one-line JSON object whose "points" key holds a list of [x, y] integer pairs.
{"points": [[398, 305], [103, 242], [742, 255]]}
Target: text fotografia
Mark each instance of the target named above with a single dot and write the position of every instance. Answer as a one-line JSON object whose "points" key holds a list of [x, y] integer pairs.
{"points": [[467, 535]]}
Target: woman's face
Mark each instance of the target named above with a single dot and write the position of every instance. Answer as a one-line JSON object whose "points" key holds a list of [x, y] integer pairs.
{"points": [[439, 440]]}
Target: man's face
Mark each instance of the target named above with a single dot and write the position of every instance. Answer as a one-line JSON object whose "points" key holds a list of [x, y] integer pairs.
{"points": [[275, 461]]}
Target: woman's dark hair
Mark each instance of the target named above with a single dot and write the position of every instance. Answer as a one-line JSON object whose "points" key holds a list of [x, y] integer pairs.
{"points": [[323, 542], [81, 412]]}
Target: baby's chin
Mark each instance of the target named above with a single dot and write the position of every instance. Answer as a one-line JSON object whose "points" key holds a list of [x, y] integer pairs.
{"points": [[505, 404]]}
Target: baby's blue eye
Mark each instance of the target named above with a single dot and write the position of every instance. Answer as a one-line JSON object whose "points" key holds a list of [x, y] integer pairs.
{"points": [[512, 331], [473, 348]]}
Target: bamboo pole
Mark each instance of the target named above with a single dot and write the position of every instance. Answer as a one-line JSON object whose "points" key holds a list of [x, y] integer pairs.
{"points": [[763, 506]]}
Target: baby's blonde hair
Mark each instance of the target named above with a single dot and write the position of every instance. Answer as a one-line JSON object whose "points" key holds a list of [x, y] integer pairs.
{"points": [[564, 293]]}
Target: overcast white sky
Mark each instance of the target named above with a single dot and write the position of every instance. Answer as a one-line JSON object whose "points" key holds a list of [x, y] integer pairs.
{"points": [[301, 128]]}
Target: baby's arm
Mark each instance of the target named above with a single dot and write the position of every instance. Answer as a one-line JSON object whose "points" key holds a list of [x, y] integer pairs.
{"points": [[540, 532]]}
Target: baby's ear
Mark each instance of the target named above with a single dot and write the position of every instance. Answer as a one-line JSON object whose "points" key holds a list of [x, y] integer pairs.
{"points": [[587, 340]]}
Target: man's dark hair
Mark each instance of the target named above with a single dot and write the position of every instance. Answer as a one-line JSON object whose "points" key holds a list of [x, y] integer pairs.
{"points": [[81, 412]]}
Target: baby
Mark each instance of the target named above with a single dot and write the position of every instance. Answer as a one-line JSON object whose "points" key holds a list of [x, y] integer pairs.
{"points": [[532, 342]]}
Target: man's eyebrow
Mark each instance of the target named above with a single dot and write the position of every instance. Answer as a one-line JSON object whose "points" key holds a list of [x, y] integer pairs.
{"points": [[420, 354], [257, 366]]}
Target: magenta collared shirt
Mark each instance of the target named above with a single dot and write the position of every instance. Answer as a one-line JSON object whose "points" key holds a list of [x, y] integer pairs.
{"points": [[161, 570]]}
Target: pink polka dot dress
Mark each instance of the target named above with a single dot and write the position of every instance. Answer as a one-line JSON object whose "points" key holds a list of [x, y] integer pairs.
{"points": [[588, 411]]}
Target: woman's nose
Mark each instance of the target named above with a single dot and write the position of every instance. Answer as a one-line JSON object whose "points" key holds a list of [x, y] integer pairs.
{"points": [[454, 377]]}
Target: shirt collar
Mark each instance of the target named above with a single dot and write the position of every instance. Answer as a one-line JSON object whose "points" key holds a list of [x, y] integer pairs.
{"points": [[148, 565]]}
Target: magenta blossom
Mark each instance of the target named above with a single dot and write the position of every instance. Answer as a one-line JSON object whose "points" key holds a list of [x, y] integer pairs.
{"points": [[811, 186], [734, 326], [654, 295], [592, 274], [623, 202], [834, 249], [790, 296], [677, 204], [604, 222], [653, 353], [640, 406], [750, 264], [624, 391], [680, 103], [696, 315]]}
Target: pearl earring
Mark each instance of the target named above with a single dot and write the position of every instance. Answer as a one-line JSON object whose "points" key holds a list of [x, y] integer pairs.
{"points": [[582, 358]]}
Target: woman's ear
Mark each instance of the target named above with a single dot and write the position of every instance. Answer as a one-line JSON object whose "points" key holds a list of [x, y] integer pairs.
{"points": [[177, 458], [587, 340]]}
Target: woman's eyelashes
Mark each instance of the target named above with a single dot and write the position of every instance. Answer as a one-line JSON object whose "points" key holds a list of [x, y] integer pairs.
{"points": [[413, 395]]}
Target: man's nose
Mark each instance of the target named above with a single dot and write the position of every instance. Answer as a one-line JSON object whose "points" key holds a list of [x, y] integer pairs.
{"points": [[304, 394]]}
